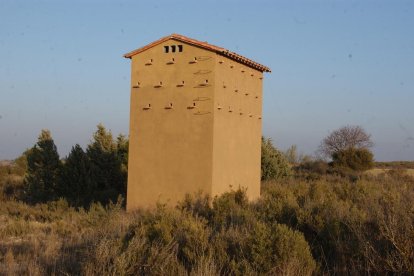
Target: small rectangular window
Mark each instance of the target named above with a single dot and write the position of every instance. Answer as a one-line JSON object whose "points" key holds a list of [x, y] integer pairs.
{"points": [[166, 49], [173, 48], [180, 48]]}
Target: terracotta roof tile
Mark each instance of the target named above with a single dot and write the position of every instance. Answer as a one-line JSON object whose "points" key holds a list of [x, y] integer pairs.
{"points": [[205, 45]]}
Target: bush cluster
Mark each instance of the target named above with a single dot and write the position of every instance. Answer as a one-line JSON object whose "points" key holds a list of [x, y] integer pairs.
{"points": [[96, 175]]}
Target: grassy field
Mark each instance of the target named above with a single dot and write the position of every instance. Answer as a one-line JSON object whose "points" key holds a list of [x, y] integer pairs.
{"points": [[378, 171], [399, 167], [329, 225]]}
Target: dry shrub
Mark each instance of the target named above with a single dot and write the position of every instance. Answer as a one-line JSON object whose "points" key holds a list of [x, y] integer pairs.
{"points": [[388, 246], [356, 227], [242, 243], [10, 262], [11, 187], [292, 252], [206, 266], [49, 238], [136, 253], [179, 241]]}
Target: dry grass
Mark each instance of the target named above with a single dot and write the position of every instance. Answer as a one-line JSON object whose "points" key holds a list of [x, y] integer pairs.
{"points": [[395, 167], [379, 171], [52, 238], [410, 172], [351, 227], [376, 171]]}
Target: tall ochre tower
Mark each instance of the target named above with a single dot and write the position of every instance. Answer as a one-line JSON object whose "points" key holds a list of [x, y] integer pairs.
{"points": [[195, 121]]}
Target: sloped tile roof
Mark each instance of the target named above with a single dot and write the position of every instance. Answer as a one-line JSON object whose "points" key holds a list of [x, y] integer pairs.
{"points": [[204, 45]]}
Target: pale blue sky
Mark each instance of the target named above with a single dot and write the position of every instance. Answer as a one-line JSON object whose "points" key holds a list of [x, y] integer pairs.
{"points": [[333, 63]]}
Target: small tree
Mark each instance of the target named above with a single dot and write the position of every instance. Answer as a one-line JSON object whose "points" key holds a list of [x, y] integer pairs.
{"points": [[273, 163], [348, 147], [43, 167], [345, 138]]}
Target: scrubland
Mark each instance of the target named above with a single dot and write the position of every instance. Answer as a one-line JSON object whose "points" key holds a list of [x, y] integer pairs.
{"points": [[308, 224]]}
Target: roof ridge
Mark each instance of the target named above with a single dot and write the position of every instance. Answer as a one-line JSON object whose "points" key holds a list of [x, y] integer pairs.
{"points": [[205, 45]]}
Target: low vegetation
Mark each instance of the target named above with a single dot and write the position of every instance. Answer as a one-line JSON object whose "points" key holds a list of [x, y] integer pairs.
{"points": [[313, 218], [325, 226]]}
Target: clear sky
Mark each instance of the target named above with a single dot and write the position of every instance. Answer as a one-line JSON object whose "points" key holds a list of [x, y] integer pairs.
{"points": [[333, 63]]}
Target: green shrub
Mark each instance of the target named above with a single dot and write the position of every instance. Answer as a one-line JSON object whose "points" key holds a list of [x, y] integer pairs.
{"points": [[354, 159], [273, 162], [291, 253]]}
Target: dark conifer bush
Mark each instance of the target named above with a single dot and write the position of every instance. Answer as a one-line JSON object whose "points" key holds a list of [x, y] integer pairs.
{"points": [[43, 165]]}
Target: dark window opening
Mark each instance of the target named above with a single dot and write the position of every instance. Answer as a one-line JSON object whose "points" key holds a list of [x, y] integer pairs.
{"points": [[166, 49], [180, 48], [173, 48]]}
